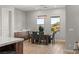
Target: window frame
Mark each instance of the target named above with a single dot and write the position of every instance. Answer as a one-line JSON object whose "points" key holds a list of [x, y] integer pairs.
{"points": [[40, 22], [55, 17]]}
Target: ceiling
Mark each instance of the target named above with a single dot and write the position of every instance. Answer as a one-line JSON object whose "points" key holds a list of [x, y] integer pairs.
{"points": [[34, 7]]}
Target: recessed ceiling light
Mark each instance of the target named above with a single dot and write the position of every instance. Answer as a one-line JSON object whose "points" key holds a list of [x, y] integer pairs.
{"points": [[45, 7]]}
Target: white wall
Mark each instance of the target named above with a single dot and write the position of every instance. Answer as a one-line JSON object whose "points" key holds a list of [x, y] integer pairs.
{"points": [[0, 23], [72, 25], [10, 23], [7, 22], [31, 20], [19, 22]]}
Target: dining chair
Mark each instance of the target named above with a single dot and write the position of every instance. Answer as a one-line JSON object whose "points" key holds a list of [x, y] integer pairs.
{"points": [[34, 37], [41, 37]]}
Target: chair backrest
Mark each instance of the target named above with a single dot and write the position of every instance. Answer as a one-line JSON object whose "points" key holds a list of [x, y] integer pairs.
{"points": [[41, 35], [34, 35]]}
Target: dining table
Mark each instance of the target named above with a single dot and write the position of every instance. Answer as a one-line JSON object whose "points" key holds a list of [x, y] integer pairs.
{"points": [[45, 37]]}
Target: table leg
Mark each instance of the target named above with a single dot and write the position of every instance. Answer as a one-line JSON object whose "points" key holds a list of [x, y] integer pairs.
{"points": [[19, 47]]}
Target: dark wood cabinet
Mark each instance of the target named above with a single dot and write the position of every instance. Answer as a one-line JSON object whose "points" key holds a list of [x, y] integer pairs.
{"points": [[24, 35], [15, 48]]}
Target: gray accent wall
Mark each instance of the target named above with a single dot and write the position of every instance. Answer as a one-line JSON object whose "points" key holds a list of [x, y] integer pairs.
{"points": [[31, 17], [72, 25]]}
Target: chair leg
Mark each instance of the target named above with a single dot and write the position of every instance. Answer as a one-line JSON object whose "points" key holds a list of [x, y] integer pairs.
{"points": [[53, 41], [39, 41], [32, 40], [29, 39]]}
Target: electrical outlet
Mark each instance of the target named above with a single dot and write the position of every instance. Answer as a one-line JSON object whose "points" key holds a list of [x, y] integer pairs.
{"points": [[71, 29]]}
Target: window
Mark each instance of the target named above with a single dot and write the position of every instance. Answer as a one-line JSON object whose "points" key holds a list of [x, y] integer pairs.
{"points": [[55, 24], [55, 20], [40, 21]]}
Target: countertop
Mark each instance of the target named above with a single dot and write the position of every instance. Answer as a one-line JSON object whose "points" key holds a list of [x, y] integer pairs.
{"points": [[7, 41]]}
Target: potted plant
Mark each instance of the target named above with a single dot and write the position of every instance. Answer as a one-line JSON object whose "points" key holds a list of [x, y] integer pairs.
{"points": [[41, 29], [55, 28]]}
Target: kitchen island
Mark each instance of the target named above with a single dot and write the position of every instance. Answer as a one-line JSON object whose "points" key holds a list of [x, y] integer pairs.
{"points": [[12, 43]]}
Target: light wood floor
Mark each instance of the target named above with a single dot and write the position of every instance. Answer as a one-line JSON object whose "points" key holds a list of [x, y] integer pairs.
{"points": [[57, 48]]}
